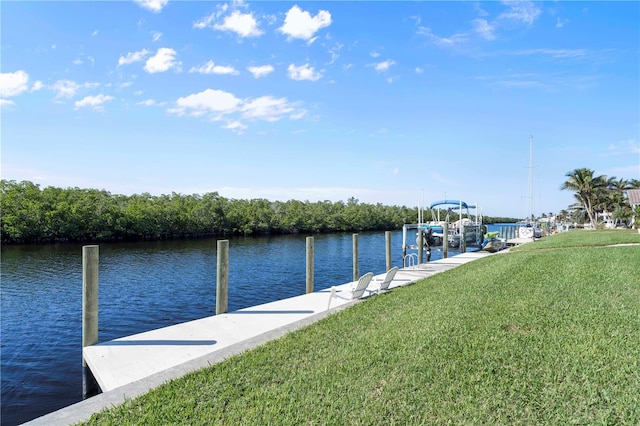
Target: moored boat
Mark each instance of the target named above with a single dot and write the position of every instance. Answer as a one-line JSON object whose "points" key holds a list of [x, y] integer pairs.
{"points": [[493, 242], [466, 232]]}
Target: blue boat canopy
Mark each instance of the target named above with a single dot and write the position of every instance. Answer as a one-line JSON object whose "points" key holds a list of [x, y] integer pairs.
{"points": [[456, 203]]}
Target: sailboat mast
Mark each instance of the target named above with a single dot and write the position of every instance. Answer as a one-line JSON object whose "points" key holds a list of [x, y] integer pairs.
{"points": [[530, 177]]}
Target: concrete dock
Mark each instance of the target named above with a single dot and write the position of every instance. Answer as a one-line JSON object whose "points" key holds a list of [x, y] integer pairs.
{"points": [[131, 366]]}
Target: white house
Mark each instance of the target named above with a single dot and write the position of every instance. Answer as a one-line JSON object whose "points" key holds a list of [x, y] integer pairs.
{"points": [[633, 195]]}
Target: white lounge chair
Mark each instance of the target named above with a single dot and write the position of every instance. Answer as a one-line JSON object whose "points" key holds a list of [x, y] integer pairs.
{"points": [[356, 291], [386, 281]]}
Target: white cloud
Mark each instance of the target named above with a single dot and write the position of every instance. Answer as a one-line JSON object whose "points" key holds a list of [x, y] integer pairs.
{"points": [[6, 103], [260, 71], [151, 102], [303, 72], [484, 29], [520, 11], [94, 102], [94, 33], [210, 100], [65, 88], [164, 59], [374, 54], [235, 126], [211, 68], [156, 35], [37, 86], [243, 24], [300, 24], [133, 57], [154, 6], [267, 108], [384, 65], [219, 105], [13, 83], [419, 70]]}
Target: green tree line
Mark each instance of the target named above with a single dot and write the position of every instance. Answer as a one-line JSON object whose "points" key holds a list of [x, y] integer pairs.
{"points": [[34, 214]]}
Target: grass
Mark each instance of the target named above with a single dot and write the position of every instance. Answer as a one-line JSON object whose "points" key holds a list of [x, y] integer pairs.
{"points": [[549, 334]]}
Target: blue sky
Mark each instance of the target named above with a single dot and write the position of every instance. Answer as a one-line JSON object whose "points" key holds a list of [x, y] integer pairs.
{"points": [[397, 103]]}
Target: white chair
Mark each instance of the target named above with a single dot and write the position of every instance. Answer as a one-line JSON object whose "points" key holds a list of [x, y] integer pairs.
{"points": [[356, 291], [386, 281]]}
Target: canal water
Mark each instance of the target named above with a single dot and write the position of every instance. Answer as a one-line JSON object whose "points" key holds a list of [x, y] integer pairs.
{"points": [[144, 286]]}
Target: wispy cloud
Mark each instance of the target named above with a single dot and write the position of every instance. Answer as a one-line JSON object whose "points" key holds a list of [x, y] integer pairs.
{"points": [[630, 146], [451, 41], [211, 68], [133, 57], [520, 11], [65, 88], [484, 29], [555, 53]]}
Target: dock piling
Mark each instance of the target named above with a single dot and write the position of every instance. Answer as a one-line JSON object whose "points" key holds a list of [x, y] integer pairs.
{"points": [[445, 238], [90, 258], [222, 277], [463, 239], [387, 239], [309, 268], [355, 257]]}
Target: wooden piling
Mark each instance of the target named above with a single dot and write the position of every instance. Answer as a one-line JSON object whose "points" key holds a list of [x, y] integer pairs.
{"points": [[420, 246], [463, 239], [387, 239], [355, 257], [445, 238], [90, 258], [310, 249], [222, 277]]}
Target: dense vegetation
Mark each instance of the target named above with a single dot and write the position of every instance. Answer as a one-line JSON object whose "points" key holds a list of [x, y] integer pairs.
{"points": [[32, 214], [598, 195], [503, 340]]}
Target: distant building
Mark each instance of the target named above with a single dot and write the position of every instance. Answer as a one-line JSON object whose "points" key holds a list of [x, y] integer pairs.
{"points": [[634, 197]]}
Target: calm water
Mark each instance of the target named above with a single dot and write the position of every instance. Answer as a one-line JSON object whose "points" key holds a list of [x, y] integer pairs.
{"points": [[144, 286]]}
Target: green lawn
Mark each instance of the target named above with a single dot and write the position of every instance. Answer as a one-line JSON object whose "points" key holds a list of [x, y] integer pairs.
{"points": [[548, 334]]}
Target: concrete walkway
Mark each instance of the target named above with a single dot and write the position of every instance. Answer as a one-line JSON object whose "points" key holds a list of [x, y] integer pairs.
{"points": [[133, 365]]}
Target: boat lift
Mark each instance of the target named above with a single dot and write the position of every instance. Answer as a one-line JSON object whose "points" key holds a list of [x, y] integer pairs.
{"points": [[461, 234]]}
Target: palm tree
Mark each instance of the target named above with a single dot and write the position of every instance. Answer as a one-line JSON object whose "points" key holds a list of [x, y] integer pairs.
{"points": [[634, 184], [587, 189]]}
